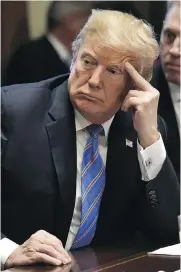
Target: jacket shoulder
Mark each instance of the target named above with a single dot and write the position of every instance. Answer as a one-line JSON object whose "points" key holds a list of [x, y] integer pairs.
{"points": [[21, 98], [31, 46]]}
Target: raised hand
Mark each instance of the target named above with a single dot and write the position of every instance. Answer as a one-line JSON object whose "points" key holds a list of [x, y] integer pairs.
{"points": [[143, 101]]}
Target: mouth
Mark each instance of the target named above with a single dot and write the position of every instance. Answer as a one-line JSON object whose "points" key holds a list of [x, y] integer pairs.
{"points": [[172, 66], [89, 97]]}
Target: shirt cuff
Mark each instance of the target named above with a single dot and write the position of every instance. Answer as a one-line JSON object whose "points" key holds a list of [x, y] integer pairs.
{"points": [[6, 248], [151, 159]]}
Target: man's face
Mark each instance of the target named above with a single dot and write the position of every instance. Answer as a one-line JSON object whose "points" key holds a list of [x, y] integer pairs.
{"points": [[170, 45], [98, 83]]}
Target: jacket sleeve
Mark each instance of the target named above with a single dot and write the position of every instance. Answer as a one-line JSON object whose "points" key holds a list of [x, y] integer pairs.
{"points": [[4, 125], [160, 204]]}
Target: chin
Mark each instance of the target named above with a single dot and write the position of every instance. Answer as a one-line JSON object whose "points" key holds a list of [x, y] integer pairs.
{"points": [[89, 110], [173, 79]]}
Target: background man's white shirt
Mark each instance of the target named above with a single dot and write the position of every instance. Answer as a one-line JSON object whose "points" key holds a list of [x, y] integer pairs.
{"points": [[60, 48], [175, 96]]}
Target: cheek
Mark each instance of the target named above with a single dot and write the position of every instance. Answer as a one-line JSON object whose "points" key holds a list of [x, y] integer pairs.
{"points": [[164, 49], [113, 96], [116, 92], [78, 77]]}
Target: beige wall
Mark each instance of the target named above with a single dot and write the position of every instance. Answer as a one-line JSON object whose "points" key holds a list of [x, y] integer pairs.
{"points": [[36, 17]]}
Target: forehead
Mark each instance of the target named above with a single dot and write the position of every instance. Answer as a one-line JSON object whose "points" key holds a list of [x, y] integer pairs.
{"points": [[172, 19], [105, 53]]}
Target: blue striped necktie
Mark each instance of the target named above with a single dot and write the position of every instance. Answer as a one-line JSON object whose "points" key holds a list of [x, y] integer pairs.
{"points": [[92, 187]]}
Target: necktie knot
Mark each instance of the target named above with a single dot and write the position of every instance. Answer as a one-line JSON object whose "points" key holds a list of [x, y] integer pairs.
{"points": [[95, 130]]}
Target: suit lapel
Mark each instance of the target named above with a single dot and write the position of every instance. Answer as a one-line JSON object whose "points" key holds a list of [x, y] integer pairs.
{"points": [[167, 111], [62, 139], [166, 108]]}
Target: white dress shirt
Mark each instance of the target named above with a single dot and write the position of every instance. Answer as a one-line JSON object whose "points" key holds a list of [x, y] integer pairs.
{"points": [[175, 96], [150, 159], [60, 48]]}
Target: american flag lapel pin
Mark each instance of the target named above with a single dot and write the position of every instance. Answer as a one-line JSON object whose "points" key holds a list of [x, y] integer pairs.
{"points": [[129, 143]]}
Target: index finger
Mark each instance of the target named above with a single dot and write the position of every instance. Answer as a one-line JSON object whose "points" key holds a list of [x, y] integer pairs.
{"points": [[136, 77]]}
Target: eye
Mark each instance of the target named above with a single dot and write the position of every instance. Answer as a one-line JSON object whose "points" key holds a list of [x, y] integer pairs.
{"points": [[88, 63], [114, 71], [169, 36]]}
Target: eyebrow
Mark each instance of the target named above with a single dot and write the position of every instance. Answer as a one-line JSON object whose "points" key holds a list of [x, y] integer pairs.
{"points": [[171, 29], [86, 54], [116, 65], [113, 65]]}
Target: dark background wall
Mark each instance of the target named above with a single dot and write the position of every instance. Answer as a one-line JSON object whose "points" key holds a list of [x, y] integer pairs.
{"points": [[14, 29]]}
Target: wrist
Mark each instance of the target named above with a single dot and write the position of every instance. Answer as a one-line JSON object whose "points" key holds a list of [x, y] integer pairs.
{"points": [[147, 140], [9, 263]]}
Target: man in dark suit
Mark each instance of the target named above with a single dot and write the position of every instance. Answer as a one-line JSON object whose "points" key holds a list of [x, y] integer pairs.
{"points": [[83, 160], [166, 79], [49, 55]]}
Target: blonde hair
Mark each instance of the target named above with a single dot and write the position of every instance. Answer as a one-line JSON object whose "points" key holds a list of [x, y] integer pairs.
{"points": [[124, 33]]}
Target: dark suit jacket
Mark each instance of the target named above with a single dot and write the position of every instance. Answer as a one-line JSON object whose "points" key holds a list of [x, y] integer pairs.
{"points": [[166, 110], [39, 172], [34, 61]]}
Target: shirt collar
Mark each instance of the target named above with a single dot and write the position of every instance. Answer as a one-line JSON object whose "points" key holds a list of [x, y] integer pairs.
{"points": [[174, 91], [60, 48], [81, 123]]}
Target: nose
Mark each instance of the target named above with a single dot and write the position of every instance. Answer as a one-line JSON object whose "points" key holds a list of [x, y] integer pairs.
{"points": [[95, 79], [175, 48]]}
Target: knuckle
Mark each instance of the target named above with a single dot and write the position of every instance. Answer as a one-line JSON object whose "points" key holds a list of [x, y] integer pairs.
{"points": [[131, 93], [38, 257], [148, 100], [36, 234], [49, 249], [157, 93], [156, 97], [41, 232], [30, 251], [32, 238], [31, 254], [139, 108], [57, 246], [57, 242], [130, 99]]}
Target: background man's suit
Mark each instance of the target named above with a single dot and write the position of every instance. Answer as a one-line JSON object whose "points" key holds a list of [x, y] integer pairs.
{"points": [[35, 61], [166, 110], [39, 172]]}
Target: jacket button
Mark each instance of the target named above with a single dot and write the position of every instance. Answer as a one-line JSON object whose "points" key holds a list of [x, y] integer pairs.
{"points": [[151, 192], [154, 204], [152, 196]]}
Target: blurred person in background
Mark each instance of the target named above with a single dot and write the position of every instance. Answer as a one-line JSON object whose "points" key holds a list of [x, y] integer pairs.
{"points": [[49, 55], [166, 79]]}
